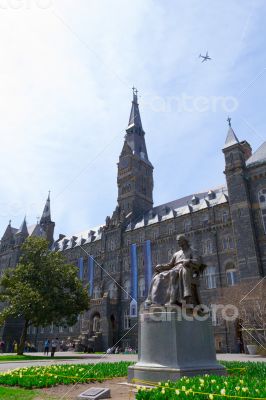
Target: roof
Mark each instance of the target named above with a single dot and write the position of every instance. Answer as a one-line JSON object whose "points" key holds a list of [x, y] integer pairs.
{"points": [[258, 157], [36, 230], [181, 207], [231, 138], [79, 239]]}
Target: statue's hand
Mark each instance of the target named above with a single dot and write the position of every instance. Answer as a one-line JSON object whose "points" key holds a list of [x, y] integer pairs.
{"points": [[186, 263], [158, 268]]}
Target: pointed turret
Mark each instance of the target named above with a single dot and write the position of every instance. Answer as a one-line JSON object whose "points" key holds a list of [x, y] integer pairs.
{"points": [[231, 137], [235, 154], [8, 239], [8, 232], [46, 222], [46, 215], [23, 230], [22, 233]]}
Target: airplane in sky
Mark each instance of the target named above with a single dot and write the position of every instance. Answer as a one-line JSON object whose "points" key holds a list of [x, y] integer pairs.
{"points": [[205, 58]]}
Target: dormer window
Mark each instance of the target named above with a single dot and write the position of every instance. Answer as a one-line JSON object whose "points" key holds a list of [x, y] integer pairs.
{"points": [[211, 195], [195, 200]]}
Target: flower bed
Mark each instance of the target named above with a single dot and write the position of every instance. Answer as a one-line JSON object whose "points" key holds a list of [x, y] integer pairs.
{"points": [[39, 377], [244, 381]]}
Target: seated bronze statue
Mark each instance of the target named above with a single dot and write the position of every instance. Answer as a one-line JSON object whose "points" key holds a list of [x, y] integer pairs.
{"points": [[177, 282]]}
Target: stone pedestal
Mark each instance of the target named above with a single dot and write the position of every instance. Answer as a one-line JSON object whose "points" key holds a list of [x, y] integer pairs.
{"points": [[171, 346]]}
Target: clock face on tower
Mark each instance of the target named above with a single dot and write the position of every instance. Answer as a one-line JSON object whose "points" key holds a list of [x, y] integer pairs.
{"points": [[124, 163]]}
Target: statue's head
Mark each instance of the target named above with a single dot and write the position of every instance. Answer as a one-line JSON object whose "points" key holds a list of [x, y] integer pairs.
{"points": [[182, 240]]}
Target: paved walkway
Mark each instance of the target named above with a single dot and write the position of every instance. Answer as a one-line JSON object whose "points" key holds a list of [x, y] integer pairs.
{"points": [[95, 358]]}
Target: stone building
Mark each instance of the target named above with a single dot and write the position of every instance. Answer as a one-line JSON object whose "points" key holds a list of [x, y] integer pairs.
{"points": [[227, 225]]}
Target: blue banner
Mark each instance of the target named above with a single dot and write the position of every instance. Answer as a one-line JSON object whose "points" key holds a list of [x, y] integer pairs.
{"points": [[134, 271], [147, 265], [80, 267], [91, 275]]}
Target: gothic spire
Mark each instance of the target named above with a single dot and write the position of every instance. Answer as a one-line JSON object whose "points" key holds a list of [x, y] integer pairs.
{"points": [[134, 119], [46, 215], [231, 137], [23, 228]]}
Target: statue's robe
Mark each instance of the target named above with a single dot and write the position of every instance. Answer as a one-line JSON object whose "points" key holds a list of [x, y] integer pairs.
{"points": [[176, 282]]}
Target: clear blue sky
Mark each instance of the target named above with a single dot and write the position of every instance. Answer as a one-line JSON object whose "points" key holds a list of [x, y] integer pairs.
{"points": [[66, 72]]}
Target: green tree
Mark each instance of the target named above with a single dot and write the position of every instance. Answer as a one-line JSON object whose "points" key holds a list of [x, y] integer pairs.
{"points": [[42, 289]]}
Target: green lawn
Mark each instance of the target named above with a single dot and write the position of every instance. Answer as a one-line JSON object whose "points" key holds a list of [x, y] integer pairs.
{"points": [[7, 393], [15, 357]]}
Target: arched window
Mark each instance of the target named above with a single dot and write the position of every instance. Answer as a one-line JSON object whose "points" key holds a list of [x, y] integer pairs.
{"points": [[126, 291], [96, 292], [112, 291], [210, 277], [207, 246], [142, 288], [231, 274], [262, 202], [96, 323]]}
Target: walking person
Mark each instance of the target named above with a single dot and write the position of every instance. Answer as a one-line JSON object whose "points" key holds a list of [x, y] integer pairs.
{"points": [[15, 347], [46, 346], [54, 345], [2, 346]]}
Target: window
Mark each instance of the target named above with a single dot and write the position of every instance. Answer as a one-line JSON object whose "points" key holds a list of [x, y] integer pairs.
{"points": [[142, 288], [207, 247], [33, 331], [215, 316], [70, 329], [42, 329], [171, 230], [96, 323], [205, 221], [155, 234], [112, 291], [228, 243], [210, 277], [126, 291], [187, 226], [96, 292], [231, 274], [126, 320], [61, 329], [51, 328], [225, 216], [262, 202]]}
